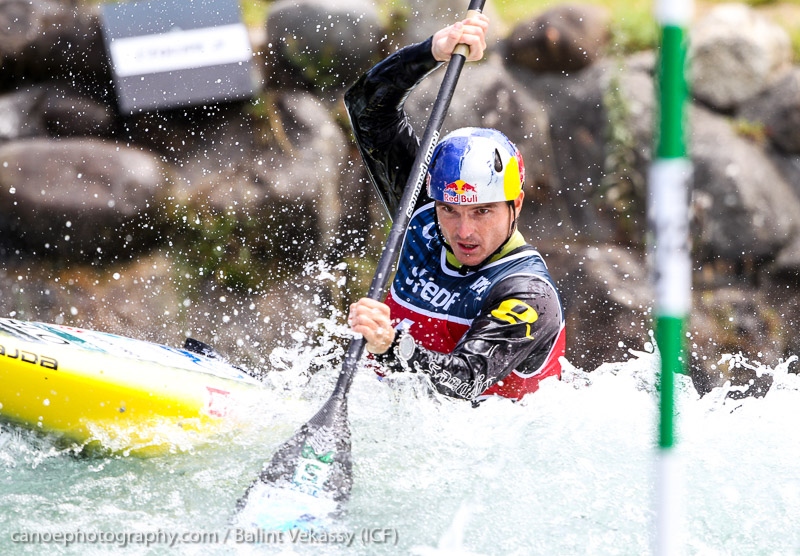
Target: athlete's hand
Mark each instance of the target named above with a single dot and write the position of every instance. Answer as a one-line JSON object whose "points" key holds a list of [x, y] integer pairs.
{"points": [[471, 31], [372, 320]]}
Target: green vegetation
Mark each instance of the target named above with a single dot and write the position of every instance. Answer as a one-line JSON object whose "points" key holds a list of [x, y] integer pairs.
{"points": [[794, 35], [754, 131], [254, 12], [623, 188]]}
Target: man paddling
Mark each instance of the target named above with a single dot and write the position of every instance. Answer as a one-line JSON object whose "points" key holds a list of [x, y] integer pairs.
{"points": [[472, 304]]}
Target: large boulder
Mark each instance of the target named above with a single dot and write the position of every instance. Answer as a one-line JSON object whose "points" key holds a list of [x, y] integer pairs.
{"points": [[44, 39], [608, 301], [78, 198], [18, 115], [575, 105], [564, 38], [52, 110], [735, 54], [269, 193], [743, 208], [787, 261], [778, 110], [324, 44]]}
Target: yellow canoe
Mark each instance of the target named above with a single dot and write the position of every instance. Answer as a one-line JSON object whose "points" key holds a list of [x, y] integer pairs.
{"points": [[118, 394]]}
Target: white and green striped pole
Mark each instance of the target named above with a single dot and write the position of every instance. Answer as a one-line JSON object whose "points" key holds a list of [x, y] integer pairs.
{"points": [[669, 224]]}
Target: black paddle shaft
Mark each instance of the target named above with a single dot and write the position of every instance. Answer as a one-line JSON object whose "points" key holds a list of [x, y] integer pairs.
{"points": [[408, 201]]}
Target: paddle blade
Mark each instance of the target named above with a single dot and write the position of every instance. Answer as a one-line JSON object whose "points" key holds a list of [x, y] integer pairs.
{"points": [[308, 477]]}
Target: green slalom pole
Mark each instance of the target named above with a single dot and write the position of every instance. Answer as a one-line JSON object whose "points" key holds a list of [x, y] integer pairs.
{"points": [[668, 210]]}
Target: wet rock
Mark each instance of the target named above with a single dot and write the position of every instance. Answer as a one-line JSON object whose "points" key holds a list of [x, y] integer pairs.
{"points": [[564, 38], [731, 321], [52, 110], [575, 106], [16, 114], [43, 40], [78, 199], [736, 54], [778, 110], [743, 207], [324, 44], [273, 198], [787, 260], [608, 300], [67, 114]]}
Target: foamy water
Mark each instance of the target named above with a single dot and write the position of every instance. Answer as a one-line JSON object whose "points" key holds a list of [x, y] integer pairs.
{"points": [[570, 470]]}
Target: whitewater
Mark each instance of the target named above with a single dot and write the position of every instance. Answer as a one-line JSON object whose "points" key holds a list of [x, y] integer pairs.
{"points": [[569, 470]]}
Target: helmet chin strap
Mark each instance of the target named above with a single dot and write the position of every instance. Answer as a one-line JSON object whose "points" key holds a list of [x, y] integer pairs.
{"points": [[464, 269]]}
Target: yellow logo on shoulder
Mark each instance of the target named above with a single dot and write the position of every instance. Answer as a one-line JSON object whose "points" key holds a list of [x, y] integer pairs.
{"points": [[514, 311]]}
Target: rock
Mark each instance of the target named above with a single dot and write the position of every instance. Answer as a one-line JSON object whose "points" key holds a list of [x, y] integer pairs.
{"points": [[324, 44], [67, 114], [636, 89], [17, 114], [564, 38], [489, 96], [735, 54], [79, 199], [302, 172], [577, 103], [778, 110], [608, 301], [734, 320], [52, 110], [744, 209], [787, 261], [275, 197], [46, 40]]}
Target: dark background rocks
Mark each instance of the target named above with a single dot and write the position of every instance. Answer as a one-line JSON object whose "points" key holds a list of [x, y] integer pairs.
{"points": [[248, 224]]}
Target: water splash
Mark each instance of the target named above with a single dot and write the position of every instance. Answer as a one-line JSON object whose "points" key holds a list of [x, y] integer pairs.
{"points": [[567, 470]]}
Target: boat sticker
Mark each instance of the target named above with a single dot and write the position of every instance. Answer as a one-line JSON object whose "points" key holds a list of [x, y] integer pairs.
{"points": [[218, 402], [30, 331], [312, 470], [121, 347], [29, 357]]}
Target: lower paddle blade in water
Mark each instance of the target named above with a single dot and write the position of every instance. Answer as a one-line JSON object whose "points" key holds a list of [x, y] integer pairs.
{"points": [[307, 478], [274, 508]]}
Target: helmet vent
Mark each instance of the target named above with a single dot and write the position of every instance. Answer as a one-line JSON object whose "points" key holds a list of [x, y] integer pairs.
{"points": [[498, 162]]}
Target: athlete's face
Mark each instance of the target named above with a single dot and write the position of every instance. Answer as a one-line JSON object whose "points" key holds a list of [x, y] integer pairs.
{"points": [[475, 231]]}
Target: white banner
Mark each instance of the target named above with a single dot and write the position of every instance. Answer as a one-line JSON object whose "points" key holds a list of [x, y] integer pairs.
{"points": [[180, 50]]}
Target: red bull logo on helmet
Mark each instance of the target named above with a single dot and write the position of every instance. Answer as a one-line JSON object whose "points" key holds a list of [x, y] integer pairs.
{"points": [[460, 191]]}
